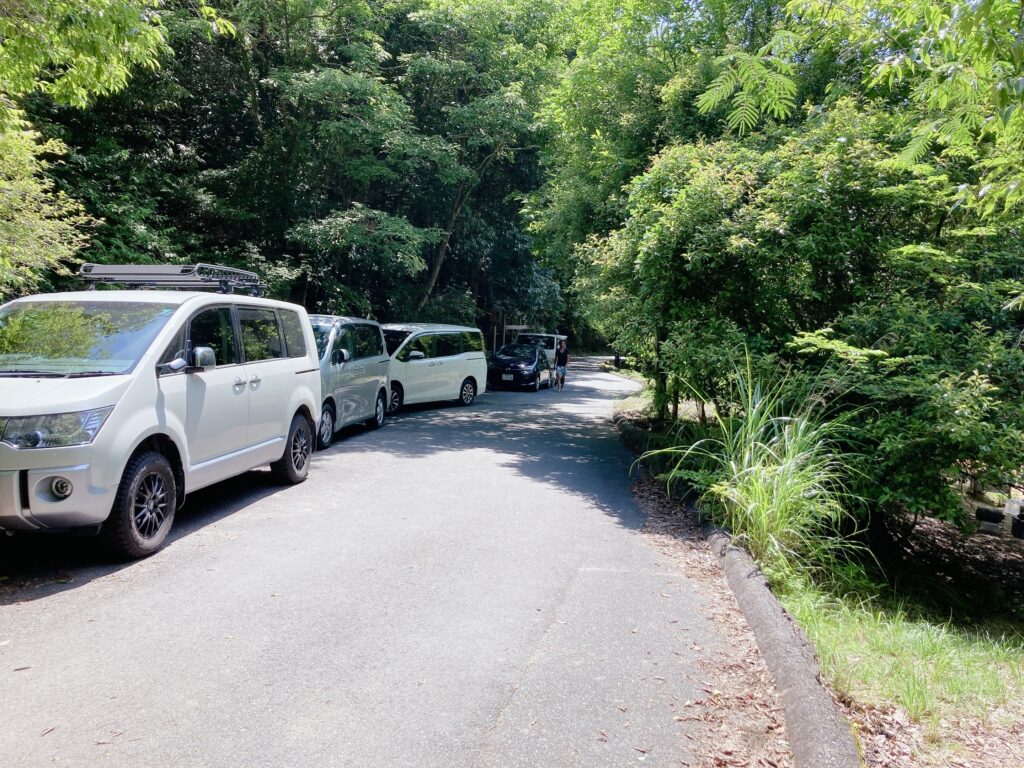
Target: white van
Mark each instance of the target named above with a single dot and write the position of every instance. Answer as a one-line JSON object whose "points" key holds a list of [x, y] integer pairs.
{"points": [[116, 404], [546, 341], [435, 362], [353, 373]]}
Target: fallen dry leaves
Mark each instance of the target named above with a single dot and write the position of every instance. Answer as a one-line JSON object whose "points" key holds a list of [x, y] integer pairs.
{"points": [[739, 720]]}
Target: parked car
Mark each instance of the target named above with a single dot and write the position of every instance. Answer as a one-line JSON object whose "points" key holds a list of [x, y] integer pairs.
{"points": [[546, 341], [353, 373], [116, 404], [519, 365], [435, 362]]}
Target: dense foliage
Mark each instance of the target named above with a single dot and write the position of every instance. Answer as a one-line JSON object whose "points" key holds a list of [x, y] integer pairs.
{"points": [[815, 184], [835, 186]]}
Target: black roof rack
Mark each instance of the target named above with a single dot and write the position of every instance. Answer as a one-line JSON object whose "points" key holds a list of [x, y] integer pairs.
{"points": [[198, 277]]}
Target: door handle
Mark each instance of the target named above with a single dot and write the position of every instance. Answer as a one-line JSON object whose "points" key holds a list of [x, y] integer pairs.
{"points": [[239, 381], [255, 380]]}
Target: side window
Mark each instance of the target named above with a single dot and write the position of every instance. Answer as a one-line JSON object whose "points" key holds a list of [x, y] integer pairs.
{"points": [[175, 349], [213, 328], [424, 344], [294, 338], [449, 344], [345, 338], [472, 341], [368, 342], [261, 338]]}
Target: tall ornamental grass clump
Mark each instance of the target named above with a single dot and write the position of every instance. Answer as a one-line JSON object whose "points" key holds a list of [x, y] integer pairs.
{"points": [[770, 471]]}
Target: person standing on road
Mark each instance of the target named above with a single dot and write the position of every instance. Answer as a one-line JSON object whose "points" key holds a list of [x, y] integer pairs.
{"points": [[561, 363]]}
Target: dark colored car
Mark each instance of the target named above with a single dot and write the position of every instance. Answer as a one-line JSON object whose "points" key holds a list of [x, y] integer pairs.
{"points": [[519, 365]]}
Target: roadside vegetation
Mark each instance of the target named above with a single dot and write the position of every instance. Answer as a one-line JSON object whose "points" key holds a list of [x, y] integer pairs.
{"points": [[774, 466]]}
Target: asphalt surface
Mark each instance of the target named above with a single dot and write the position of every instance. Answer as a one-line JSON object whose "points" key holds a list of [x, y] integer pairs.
{"points": [[464, 587]]}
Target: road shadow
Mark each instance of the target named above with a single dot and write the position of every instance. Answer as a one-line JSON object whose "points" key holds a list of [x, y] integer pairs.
{"points": [[34, 566], [562, 439]]}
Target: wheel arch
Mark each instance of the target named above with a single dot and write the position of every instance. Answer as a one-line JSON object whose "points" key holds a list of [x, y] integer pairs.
{"points": [[166, 446]]}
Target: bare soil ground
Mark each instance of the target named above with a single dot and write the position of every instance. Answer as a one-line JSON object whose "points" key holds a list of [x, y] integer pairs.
{"points": [[740, 715], [972, 574]]}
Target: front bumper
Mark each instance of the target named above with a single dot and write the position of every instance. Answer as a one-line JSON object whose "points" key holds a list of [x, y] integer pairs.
{"points": [[519, 378], [27, 502]]}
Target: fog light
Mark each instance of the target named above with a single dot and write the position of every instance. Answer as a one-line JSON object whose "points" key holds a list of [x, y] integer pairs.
{"points": [[61, 487]]}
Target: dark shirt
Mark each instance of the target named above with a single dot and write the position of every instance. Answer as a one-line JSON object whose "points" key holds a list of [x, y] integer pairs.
{"points": [[562, 357]]}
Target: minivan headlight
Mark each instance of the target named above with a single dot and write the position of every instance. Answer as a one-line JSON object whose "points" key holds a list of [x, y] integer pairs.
{"points": [[56, 430]]}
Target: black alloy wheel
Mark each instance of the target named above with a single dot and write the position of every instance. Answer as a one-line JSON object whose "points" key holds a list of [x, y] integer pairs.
{"points": [[293, 466], [143, 510]]}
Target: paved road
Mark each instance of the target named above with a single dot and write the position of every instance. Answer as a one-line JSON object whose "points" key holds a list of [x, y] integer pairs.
{"points": [[464, 587]]}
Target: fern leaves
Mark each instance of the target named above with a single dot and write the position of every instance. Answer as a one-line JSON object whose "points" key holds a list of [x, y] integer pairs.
{"points": [[754, 85]]}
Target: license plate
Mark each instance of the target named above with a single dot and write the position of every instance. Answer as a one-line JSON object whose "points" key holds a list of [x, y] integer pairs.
{"points": [[506, 377]]}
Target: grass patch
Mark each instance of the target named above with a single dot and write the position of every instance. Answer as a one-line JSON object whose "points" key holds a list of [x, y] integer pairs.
{"points": [[640, 403], [879, 653]]}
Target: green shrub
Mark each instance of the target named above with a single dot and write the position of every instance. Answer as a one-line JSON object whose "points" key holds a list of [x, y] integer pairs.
{"points": [[771, 474]]}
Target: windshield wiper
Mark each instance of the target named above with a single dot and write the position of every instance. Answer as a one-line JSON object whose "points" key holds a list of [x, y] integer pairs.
{"points": [[82, 374], [33, 374]]}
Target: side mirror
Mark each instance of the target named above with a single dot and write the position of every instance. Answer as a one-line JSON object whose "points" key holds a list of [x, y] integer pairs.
{"points": [[204, 357], [174, 366], [416, 355], [339, 356]]}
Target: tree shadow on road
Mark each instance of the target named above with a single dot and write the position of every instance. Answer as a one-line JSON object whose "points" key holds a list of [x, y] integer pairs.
{"points": [[562, 439], [34, 566]]}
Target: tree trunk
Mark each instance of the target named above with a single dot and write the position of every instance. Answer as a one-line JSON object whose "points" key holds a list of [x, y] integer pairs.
{"points": [[465, 190]]}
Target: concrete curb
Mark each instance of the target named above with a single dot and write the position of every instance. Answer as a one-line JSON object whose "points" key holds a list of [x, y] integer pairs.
{"points": [[819, 735]]}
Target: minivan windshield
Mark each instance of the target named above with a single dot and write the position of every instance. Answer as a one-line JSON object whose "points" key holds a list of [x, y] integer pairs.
{"points": [[77, 338], [322, 332], [521, 351], [394, 339]]}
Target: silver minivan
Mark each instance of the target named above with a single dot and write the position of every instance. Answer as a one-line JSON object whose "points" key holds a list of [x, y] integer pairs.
{"points": [[353, 373]]}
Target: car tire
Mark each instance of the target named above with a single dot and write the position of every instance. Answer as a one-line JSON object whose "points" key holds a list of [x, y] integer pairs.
{"points": [[293, 467], [144, 507], [467, 392], [325, 435], [379, 412], [397, 398], [536, 383]]}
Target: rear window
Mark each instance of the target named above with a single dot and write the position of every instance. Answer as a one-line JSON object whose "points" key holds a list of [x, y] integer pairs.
{"points": [[368, 342], [261, 339], [472, 341], [294, 338], [449, 344]]}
